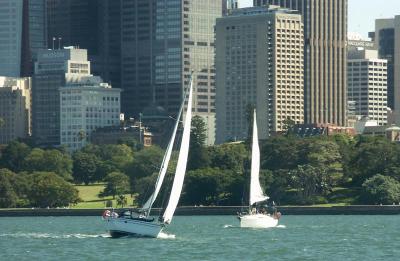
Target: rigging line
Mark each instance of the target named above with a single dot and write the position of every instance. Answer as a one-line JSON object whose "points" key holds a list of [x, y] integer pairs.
{"points": [[180, 113]]}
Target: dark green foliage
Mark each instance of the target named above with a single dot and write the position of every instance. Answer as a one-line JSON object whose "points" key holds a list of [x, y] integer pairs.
{"points": [[374, 156], [48, 189], [146, 162], [213, 187], [8, 196], [13, 156], [85, 168], [198, 156], [228, 156], [117, 184], [49, 161], [381, 190]]}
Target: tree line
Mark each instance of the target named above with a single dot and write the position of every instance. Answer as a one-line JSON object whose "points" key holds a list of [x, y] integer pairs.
{"points": [[294, 171]]}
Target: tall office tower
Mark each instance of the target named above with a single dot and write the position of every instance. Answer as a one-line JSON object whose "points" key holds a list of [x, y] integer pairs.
{"points": [[387, 41], [259, 63], [325, 60], [89, 24], [162, 42], [54, 69], [15, 108], [23, 30], [367, 84], [85, 105]]}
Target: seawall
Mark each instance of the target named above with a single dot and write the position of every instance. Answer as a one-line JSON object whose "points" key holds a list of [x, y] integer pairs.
{"points": [[200, 211]]}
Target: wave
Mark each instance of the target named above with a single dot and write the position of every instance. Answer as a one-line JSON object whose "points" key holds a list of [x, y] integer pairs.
{"points": [[281, 226], [163, 235], [53, 236], [228, 226]]}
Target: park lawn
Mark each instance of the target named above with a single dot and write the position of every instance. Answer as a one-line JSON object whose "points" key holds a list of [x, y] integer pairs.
{"points": [[90, 197]]}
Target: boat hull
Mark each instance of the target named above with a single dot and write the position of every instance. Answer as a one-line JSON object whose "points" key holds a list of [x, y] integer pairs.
{"points": [[119, 227], [258, 221]]}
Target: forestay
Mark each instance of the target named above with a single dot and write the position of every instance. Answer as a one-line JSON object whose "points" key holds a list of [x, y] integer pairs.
{"points": [[164, 165]]}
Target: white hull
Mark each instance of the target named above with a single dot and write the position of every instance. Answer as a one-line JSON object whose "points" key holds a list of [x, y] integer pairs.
{"points": [[126, 226], [258, 221]]}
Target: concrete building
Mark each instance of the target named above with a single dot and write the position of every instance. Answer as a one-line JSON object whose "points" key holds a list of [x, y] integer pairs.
{"points": [[86, 103], [367, 84], [259, 60], [54, 69], [387, 41], [15, 108], [325, 60], [162, 42], [23, 30]]}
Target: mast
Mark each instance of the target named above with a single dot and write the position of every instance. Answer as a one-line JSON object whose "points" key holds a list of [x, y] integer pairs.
{"points": [[182, 161], [164, 165]]}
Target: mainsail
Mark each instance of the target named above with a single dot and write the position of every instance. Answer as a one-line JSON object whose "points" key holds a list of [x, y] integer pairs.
{"points": [[182, 160], [164, 166], [256, 193]]}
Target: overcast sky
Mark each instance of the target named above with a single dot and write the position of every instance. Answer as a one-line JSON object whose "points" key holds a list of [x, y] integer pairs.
{"points": [[362, 13]]}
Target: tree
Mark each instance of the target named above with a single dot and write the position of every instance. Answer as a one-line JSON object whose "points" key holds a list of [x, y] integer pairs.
{"points": [[8, 196], [13, 156], [198, 157], [228, 156], [381, 190], [118, 157], [146, 162], [213, 186], [371, 157], [122, 201], [49, 161], [47, 189], [117, 184], [85, 168]]}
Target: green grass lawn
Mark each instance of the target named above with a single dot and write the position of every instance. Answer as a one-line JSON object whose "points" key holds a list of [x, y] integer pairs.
{"points": [[90, 197]]}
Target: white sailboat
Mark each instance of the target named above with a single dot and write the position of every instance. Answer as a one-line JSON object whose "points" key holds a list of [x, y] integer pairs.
{"points": [[257, 217], [139, 224]]}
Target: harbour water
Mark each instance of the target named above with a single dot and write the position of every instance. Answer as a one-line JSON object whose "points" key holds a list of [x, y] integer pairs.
{"points": [[205, 238]]}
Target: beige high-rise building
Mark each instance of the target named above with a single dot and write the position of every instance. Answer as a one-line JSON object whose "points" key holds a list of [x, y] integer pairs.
{"points": [[325, 60], [367, 85], [15, 108], [259, 63]]}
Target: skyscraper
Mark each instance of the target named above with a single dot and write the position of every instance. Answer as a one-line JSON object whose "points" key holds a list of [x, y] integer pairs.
{"points": [[93, 25], [259, 62], [15, 108], [325, 61], [23, 33], [53, 69], [387, 41], [162, 42], [367, 84]]}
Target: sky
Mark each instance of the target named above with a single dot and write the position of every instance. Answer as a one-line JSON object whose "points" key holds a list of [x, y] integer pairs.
{"points": [[362, 13]]}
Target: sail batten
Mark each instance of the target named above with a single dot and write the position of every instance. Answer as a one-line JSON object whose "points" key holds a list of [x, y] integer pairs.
{"points": [[256, 192], [182, 162]]}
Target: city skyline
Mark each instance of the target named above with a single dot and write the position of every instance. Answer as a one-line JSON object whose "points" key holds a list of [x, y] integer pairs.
{"points": [[361, 22]]}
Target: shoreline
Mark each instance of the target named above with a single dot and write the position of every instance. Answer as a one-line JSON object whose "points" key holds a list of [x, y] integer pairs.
{"points": [[215, 210]]}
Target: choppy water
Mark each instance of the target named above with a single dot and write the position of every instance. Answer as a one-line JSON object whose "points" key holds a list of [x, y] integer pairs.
{"points": [[205, 238]]}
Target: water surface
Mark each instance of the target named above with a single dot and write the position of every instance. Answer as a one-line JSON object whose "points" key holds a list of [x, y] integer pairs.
{"points": [[205, 238]]}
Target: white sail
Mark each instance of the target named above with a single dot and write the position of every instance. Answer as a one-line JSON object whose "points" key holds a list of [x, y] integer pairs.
{"points": [[256, 193], [181, 165], [164, 164]]}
